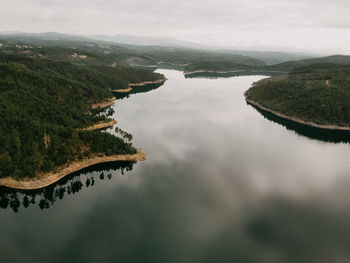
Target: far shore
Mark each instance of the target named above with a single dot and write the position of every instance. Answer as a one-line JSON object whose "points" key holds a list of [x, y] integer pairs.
{"points": [[211, 71], [232, 71], [297, 120], [44, 180]]}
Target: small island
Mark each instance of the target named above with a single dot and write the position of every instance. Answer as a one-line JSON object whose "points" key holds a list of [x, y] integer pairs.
{"points": [[316, 95]]}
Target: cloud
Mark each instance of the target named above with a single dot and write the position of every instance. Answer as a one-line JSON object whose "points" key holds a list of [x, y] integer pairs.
{"points": [[222, 21]]}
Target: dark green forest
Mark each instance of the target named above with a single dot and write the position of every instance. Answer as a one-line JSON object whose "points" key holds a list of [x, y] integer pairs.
{"points": [[81, 50], [281, 68], [43, 105], [48, 84], [217, 66], [318, 93]]}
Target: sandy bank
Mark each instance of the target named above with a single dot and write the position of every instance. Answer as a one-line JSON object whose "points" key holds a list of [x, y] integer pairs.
{"points": [[212, 71], [145, 83], [233, 71], [100, 125], [295, 119], [122, 90], [47, 179], [104, 104]]}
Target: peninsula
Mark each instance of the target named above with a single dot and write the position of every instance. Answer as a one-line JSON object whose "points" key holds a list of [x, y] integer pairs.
{"points": [[315, 95], [50, 126]]}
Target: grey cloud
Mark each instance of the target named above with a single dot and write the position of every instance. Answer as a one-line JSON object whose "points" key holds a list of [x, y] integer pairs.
{"points": [[203, 21]]}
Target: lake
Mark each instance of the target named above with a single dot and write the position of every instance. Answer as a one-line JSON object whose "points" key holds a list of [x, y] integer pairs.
{"points": [[222, 183]]}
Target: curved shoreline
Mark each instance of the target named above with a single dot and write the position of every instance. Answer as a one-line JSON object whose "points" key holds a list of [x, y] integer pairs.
{"points": [[47, 179], [295, 119], [44, 180]]}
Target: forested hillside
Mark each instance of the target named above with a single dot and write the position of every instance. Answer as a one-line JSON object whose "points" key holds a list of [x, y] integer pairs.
{"points": [[318, 93], [291, 65], [217, 66], [43, 105], [88, 51]]}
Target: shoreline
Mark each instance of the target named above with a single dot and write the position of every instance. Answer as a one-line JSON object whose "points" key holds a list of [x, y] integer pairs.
{"points": [[47, 179], [211, 71], [232, 71], [100, 125], [295, 119], [104, 104], [122, 90], [145, 83]]}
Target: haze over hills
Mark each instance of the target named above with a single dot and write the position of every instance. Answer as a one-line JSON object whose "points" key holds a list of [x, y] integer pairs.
{"points": [[328, 60], [142, 44], [107, 52], [269, 57], [84, 50], [149, 41]]}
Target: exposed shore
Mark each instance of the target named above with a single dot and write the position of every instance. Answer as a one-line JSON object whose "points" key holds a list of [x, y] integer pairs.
{"points": [[232, 71], [104, 104], [295, 119], [44, 180], [212, 71], [145, 83], [122, 90], [47, 179], [100, 125]]}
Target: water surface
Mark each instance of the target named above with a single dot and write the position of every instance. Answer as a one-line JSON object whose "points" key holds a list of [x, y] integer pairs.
{"points": [[221, 184]]}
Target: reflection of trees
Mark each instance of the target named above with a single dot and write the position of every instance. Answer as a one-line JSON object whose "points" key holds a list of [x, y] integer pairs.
{"points": [[307, 131], [72, 184]]}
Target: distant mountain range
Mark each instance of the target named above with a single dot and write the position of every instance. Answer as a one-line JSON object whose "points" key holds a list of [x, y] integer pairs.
{"points": [[148, 41], [269, 57]]}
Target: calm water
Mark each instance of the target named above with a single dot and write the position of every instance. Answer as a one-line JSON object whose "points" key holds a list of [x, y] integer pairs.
{"points": [[221, 184]]}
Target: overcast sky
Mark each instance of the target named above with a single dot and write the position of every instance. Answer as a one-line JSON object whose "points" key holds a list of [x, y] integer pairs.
{"points": [[318, 25]]}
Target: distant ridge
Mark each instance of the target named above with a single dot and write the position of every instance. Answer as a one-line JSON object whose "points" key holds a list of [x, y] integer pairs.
{"points": [[149, 41], [291, 65], [144, 44]]}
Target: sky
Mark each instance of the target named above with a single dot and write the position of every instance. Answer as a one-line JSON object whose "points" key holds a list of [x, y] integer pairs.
{"points": [[288, 25]]}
